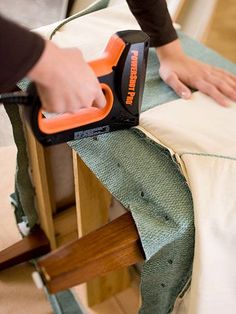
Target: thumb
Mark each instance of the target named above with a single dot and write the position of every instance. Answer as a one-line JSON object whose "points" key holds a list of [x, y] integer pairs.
{"points": [[173, 81]]}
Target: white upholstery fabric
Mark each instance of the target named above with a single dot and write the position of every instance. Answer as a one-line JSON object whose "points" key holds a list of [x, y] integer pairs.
{"points": [[201, 136], [91, 32]]}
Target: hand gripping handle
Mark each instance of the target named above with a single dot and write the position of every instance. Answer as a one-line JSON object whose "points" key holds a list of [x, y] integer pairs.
{"points": [[101, 67]]}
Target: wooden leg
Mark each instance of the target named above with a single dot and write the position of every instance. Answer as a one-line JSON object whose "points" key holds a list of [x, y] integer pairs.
{"points": [[109, 248], [93, 203], [32, 246]]}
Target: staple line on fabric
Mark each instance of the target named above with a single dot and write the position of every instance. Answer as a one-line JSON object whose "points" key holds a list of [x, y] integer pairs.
{"points": [[208, 155]]}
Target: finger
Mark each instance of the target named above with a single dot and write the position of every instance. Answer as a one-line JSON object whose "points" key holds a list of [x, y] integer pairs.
{"points": [[51, 108], [182, 90], [224, 77], [51, 102], [100, 101], [224, 86], [224, 73], [213, 92]]}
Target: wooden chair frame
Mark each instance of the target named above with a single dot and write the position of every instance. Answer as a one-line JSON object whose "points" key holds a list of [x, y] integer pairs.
{"points": [[85, 245]]}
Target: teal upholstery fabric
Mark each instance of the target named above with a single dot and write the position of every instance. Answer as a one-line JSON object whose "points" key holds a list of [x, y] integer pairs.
{"points": [[64, 303], [23, 196], [144, 178]]}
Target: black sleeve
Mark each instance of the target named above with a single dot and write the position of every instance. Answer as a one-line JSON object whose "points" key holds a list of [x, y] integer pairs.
{"points": [[19, 51], [154, 19]]}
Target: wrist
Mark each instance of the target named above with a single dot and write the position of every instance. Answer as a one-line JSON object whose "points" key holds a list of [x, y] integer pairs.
{"points": [[42, 70], [170, 50]]}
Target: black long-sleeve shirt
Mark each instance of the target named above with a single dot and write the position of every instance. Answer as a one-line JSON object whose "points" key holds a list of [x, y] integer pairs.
{"points": [[154, 19], [20, 49]]}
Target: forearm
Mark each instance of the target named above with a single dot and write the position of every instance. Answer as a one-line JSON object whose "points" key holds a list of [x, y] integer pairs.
{"points": [[20, 49], [154, 19]]}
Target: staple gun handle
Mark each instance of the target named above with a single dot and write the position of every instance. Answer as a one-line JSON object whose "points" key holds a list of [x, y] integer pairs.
{"points": [[121, 72], [102, 66], [67, 121]]}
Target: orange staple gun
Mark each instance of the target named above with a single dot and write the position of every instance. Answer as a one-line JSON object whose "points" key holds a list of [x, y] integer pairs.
{"points": [[121, 72]]}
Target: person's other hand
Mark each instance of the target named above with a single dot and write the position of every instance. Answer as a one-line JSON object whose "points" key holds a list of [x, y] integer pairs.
{"points": [[65, 82], [180, 72]]}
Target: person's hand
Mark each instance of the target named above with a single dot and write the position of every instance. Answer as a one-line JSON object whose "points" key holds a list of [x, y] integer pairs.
{"points": [[65, 82], [179, 71]]}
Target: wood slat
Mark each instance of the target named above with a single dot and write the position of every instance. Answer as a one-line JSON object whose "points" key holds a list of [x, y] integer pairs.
{"points": [[93, 203], [92, 198], [65, 225], [42, 183]]}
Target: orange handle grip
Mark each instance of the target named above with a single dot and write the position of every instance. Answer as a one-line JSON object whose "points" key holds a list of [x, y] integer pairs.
{"points": [[84, 116], [102, 66]]}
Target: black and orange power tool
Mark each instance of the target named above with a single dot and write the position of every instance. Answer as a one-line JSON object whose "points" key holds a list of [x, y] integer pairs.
{"points": [[121, 71]]}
